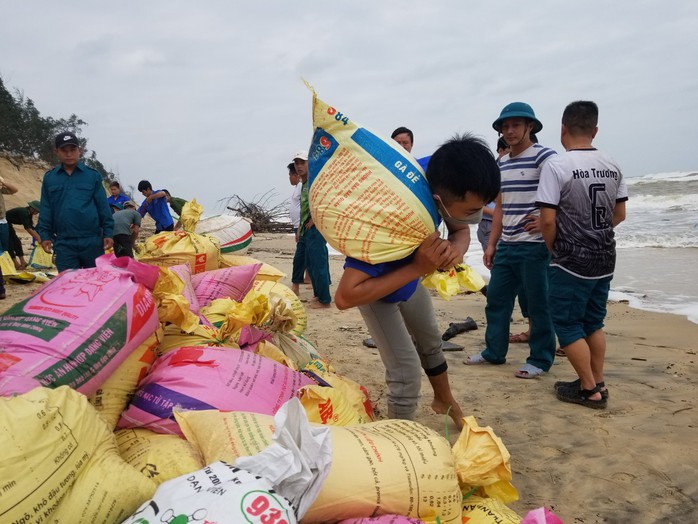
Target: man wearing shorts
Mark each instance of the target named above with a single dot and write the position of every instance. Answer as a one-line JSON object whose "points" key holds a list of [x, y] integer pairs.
{"points": [[582, 197]]}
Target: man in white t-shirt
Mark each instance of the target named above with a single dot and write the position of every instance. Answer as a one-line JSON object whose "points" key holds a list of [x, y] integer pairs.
{"points": [[582, 195]]}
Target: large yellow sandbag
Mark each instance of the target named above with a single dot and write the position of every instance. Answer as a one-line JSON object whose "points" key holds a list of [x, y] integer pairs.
{"points": [[202, 335], [158, 457], [270, 288], [482, 462], [368, 196], [114, 395], [170, 248], [354, 394], [381, 468], [60, 462], [7, 265]]}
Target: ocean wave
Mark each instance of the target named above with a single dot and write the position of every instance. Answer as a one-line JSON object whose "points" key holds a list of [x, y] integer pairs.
{"points": [[661, 240], [681, 202], [675, 176]]}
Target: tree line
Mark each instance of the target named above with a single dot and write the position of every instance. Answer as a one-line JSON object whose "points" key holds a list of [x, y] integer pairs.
{"points": [[25, 131]]}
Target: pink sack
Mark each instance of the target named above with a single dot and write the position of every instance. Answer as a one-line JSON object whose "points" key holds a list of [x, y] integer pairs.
{"points": [[230, 282], [78, 328], [198, 378], [541, 516], [183, 271]]}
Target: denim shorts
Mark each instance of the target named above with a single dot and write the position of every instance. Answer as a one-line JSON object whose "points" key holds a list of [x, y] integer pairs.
{"points": [[577, 305]]}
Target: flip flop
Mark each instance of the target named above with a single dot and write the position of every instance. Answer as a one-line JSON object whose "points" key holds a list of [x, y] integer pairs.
{"points": [[450, 346], [528, 371], [559, 352], [521, 338], [474, 360]]}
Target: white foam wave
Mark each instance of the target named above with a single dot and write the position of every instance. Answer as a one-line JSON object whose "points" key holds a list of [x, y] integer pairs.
{"points": [[674, 176], [687, 202], [657, 240], [641, 301]]}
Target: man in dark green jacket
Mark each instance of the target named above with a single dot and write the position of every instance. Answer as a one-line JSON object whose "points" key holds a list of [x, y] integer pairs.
{"points": [[75, 217]]}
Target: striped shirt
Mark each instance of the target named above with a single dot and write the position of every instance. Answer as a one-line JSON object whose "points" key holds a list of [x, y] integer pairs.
{"points": [[520, 177]]}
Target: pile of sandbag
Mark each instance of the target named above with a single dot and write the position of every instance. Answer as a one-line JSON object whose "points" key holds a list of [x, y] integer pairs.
{"points": [[128, 376]]}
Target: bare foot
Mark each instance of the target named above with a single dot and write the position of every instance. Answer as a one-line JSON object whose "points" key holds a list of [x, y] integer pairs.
{"points": [[296, 289], [314, 304], [452, 409]]}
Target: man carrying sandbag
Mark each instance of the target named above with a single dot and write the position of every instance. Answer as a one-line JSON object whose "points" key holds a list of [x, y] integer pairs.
{"points": [[462, 176], [311, 249]]}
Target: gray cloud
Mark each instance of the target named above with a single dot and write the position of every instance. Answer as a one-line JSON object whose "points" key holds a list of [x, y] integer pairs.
{"points": [[207, 99]]}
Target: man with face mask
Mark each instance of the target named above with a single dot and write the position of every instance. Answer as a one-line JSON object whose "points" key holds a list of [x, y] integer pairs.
{"points": [[522, 259]]}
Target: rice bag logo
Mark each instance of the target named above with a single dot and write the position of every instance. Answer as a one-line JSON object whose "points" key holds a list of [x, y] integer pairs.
{"points": [[263, 507], [78, 289]]}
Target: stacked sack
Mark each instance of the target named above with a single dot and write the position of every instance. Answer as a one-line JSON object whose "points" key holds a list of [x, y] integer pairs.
{"points": [[127, 376]]}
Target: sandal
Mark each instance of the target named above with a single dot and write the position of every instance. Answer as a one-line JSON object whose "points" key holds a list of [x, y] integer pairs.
{"points": [[521, 338], [577, 384], [581, 397], [559, 352], [528, 371], [473, 360], [456, 328]]}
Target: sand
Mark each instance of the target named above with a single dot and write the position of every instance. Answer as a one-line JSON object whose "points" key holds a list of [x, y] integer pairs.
{"points": [[633, 462]]}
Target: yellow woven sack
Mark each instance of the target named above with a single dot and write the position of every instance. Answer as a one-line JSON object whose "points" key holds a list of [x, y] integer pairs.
{"points": [[353, 393], [381, 468], [478, 510], [7, 265], [114, 395], [482, 463], [158, 457], [331, 407], [60, 462], [40, 259], [270, 288], [368, 196], [202, 335], [170, 248]]}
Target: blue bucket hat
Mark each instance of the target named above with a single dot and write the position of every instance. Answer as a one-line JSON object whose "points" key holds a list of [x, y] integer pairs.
{"points": [[517, 110]]}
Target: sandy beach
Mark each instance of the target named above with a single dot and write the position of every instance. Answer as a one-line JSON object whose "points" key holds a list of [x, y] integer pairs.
{"points": [[633, 462]]}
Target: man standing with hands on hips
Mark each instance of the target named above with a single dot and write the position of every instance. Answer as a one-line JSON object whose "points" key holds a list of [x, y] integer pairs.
{"points": [[75, 217]]}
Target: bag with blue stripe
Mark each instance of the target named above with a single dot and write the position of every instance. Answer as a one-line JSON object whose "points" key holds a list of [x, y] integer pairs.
{"points": [[370, 198]]}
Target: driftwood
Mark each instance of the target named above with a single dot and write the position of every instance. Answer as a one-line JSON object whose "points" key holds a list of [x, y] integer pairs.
{"points": [[264, 217]]}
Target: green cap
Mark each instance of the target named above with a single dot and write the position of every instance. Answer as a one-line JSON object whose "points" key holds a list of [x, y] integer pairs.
{"points": [[35, 204]]}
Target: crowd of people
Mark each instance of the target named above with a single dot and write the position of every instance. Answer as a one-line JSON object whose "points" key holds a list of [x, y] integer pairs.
{"points": [[546, 226], [545, 222], [77, 221]]}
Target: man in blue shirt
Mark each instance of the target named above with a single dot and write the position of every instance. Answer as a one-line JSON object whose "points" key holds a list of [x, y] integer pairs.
{"points": [[155, 204], [116, 197], [75, 217]]}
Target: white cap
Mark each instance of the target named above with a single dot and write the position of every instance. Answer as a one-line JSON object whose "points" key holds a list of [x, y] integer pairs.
{"points": [[302, 155]]}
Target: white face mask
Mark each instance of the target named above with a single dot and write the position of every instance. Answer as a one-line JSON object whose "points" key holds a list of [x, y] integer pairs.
{"points": [[473, 218]]}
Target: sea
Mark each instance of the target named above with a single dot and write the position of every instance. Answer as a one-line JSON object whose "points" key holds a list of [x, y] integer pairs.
{"points": [[657, 245]]}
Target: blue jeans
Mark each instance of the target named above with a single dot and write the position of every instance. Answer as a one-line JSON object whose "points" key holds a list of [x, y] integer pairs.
{"points": [[519, 265]]}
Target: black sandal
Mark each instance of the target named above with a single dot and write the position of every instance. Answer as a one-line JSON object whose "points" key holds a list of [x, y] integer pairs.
{"points": [[577, 384], [581, 397]]}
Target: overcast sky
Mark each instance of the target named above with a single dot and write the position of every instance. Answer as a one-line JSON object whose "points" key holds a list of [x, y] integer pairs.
{"points": [[206, 98]]}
